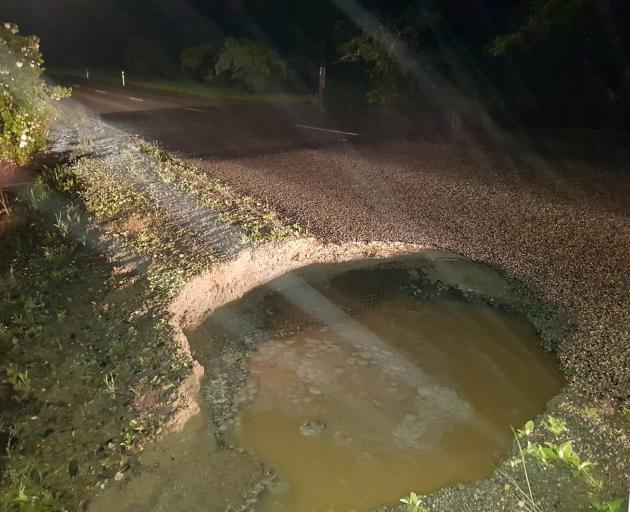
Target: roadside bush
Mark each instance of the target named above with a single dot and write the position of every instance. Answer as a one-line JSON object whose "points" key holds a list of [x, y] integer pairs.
{"points": [[249, 63], [388, 77], [26, 102], [199, 61], [394, 53], [570, 59]]}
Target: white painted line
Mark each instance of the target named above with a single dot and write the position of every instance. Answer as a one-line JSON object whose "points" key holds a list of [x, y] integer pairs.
{"points": [[193, 109], [98, 90], [325, 130], [135, 99]]}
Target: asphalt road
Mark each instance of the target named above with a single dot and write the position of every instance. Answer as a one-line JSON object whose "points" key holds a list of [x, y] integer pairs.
{"points": [[561, 225]]}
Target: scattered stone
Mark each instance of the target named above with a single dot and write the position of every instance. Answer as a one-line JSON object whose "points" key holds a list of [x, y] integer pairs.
{"points": [[314, 390], [313, 428]]}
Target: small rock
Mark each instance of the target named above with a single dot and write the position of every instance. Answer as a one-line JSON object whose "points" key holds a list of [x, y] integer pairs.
{"points": [[314, 390], [313, 428], [119, 476], [281, 487]]}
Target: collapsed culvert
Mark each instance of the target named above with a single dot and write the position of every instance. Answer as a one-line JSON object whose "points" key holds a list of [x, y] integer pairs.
{"points": [[360, 372]]}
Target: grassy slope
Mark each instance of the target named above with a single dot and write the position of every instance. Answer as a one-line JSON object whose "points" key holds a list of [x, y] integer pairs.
{"points": [[89, 366]]}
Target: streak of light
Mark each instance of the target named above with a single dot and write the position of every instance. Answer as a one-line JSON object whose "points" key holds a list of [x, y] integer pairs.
{"points": [[326, 130]]}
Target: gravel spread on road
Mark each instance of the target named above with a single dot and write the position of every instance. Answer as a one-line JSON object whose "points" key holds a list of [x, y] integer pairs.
{"points": [[562, 229]]}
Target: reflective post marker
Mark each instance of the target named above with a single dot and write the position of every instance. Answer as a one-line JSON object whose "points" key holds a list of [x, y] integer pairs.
{"points": [[87, 74], [322, 84], [122, 73]]}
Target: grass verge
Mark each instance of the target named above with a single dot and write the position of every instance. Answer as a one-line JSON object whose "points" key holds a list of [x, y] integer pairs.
{"points": [[185, 86], [90, 368]]}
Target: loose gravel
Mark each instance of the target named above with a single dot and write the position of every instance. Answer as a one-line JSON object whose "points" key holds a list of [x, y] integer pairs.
{"points": [[562, 229]]}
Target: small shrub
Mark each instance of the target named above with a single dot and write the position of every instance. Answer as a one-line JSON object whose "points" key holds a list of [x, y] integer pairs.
{"points": [[249, 63], [199, 61], [26, 102]]}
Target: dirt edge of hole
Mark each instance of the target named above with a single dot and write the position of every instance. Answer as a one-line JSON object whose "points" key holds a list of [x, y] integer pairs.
{"points": [[249, 269]]}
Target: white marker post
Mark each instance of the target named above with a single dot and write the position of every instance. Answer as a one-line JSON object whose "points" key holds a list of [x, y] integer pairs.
{"points": [[87, 74], [123, 77], [322, 85]]}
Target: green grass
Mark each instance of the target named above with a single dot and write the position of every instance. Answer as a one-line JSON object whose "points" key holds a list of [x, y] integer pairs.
{"points": [[185, 86]]}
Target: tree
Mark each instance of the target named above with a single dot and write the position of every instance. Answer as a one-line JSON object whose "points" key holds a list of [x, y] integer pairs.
{"points": [[249, 63], [568, 56], [390, 52], [199, 61], [26, 102]]}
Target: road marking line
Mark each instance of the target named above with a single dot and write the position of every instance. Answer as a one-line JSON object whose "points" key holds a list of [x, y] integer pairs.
{"points": [[325, 130], [98, 90], [193, 109], [135, 99]]}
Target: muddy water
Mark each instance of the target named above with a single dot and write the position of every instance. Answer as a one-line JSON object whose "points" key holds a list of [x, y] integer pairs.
{"points": [[412, 395], [343, 387]]}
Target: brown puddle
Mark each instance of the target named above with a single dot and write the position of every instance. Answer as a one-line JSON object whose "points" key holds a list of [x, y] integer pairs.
{"points": [[350, 386], [428, 401]]}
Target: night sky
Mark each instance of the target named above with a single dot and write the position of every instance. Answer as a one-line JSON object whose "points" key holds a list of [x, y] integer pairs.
{"points": [[96, 32]]}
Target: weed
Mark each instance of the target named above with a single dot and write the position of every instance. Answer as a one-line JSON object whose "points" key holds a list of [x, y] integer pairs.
{"points": [[529, 504], [110, 384], [6, 207], [555, 425], [26, 492], [413, 502], [587, 412], [30, 305], [20, 381], [563, 452], [62, 225], [37, 194], [527, 430], [608, 506]]}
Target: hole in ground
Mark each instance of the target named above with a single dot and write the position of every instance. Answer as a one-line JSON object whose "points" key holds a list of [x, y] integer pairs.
{"points": [[344, 386], [360, 382]]}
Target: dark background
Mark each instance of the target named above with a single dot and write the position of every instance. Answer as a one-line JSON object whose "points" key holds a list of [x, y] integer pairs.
{"points": [[570, 66], [97, 32]]}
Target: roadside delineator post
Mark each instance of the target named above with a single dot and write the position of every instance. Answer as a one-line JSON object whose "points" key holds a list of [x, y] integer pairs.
{"points": [[122, 73], [322, 85], [87, 74]]}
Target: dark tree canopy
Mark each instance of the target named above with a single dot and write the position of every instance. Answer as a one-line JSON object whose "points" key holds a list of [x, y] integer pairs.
{"points": [[555, 57]]}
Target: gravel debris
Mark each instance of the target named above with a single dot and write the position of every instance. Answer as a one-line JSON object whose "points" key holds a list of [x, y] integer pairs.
{"points": [[562, 229]]}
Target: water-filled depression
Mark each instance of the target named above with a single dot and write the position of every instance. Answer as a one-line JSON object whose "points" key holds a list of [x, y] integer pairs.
{"points": [[364, 383], [352, 385]]}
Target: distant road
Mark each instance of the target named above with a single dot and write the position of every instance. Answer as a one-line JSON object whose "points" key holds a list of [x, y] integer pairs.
{"points": [[107, 98], [194, 126]]}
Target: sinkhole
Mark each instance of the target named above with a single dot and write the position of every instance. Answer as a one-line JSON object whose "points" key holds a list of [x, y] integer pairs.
{"points": [[358, 382]]}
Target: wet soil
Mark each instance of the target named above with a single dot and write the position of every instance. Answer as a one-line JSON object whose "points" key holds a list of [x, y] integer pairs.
{"points": [[81, 349]]}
